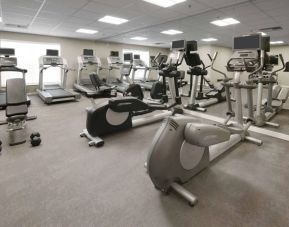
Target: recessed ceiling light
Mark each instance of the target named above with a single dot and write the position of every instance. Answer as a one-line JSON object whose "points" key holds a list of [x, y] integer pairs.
{"points": [[225, 22], [209, 39], [171, 32], [276, 42], [164, 3], [139, 38], [113, 20], [263, 33], [86, 31]]}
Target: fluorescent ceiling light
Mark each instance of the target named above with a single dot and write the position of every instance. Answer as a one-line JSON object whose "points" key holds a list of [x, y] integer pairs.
{"points": [[164, 3], [209, 39], [86, 31], [276, 42], [139, 38], [113, 20], [1, 19], [171, 32], [225, 22]]}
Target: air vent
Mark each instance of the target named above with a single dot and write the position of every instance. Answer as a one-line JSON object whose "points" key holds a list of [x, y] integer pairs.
{"points": [[271, 29], [174, 124], [16, 26], [159, 43]]}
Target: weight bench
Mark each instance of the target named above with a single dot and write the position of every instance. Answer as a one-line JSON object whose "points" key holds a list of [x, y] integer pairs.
{"points": [[16, 110]]}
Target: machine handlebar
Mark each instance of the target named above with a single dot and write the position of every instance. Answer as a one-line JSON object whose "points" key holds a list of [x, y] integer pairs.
{"points": [[283, 64], [12, 69], [260, 68], [210, 57], [213, 66]]}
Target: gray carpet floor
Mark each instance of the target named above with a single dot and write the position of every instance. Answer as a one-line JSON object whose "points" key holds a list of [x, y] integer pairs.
{"points": [[64, 182]]}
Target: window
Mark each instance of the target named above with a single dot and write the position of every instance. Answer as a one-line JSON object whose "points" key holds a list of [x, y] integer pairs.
{"points": [[145, 56], [27, 54]]}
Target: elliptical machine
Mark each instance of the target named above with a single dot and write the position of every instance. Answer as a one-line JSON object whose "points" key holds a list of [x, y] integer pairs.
{"points": [[183, 146], [198, 69], [159, 88], [117, 113], [127, 88], [267, 108]]}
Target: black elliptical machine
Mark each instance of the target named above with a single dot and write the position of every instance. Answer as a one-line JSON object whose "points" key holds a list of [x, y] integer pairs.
{"points": [[160, 88], [197, 69], [117, 113], [159, 91], [217, 90]]}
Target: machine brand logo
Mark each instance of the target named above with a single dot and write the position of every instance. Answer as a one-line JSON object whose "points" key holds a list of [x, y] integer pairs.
{"points": [[174, 124]]}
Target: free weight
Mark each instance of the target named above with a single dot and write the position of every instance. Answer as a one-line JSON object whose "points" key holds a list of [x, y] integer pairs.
{"points": [[35, 139]]}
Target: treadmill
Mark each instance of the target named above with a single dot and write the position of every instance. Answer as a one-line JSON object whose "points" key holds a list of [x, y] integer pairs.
{"points": [[138, 65], [53, 93], [114, 63], [91, 64], [9, 64], [125, 68]]}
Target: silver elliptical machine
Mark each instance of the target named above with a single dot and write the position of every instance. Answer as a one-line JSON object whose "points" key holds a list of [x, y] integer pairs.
{"points": [[266, 109], [182, 147]]}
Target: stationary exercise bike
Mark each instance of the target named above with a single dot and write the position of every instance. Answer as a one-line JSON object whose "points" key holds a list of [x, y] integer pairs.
{"points": [[183, 146], [117, 113]]}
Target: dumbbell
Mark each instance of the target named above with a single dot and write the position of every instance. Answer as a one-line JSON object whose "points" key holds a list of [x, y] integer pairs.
{"points": [[35, 139]]}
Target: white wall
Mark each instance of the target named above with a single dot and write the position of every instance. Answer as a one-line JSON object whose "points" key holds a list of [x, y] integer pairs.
{"points": [[71, 48]]}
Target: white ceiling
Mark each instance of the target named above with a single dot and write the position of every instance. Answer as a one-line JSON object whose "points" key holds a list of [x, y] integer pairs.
{"points": [[63, 17]]}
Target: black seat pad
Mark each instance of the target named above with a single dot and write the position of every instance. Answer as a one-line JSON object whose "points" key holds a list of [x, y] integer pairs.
{"points": [[16, 110], [16, 99]]}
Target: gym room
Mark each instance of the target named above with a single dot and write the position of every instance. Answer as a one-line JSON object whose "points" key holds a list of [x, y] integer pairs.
{"points": [[152, 113]]}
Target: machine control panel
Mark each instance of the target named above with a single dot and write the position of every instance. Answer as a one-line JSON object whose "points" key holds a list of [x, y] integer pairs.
{"points": [[114, 60], [139, 63], [52, 60], [247, 60], [10, 61], [89, 60]]}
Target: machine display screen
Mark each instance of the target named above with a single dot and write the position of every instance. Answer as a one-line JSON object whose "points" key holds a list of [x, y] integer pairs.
{"points": [[192, 46], [274, 59], [114, 53], [127, 57], [179, 44], [88, 52], [136, 57], [248, 42], [50, 52], [7, 51]]}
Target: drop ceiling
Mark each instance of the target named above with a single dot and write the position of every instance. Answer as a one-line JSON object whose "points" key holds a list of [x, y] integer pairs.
{"points": [[63, 17]]}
